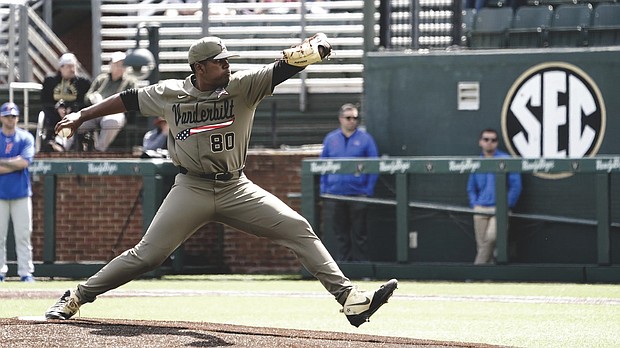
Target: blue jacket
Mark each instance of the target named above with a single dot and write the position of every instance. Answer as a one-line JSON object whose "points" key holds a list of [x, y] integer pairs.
{"points": [[360, 144], [16, 184], [481, 187]]}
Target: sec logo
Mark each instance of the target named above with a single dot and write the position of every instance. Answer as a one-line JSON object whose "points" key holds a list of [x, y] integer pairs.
{"points": [[553, 110]]}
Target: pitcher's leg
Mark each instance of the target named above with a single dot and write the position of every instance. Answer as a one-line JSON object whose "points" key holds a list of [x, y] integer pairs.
{"points": [[264, 215], [21, 214], [251, 209], [183, 211]]}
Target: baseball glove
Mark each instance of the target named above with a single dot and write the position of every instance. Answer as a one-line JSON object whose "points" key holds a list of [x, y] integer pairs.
{"points": [[311, 50]]}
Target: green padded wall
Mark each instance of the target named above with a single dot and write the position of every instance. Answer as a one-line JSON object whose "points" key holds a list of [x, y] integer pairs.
{"points": [[410, 106]]}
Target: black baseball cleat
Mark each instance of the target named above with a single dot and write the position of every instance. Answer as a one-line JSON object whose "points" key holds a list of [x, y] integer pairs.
{"points": [[360, 305], [65, 307]]}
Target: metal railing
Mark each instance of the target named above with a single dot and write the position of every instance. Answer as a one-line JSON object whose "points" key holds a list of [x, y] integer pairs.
{"points": [[600, 166], [29, 49]]}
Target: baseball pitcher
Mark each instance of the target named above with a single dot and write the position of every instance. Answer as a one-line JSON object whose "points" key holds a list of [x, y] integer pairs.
{"points": [[210, 116]]}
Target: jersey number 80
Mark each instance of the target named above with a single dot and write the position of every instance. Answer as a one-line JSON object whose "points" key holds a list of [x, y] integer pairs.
{"points": [[221, 142]]}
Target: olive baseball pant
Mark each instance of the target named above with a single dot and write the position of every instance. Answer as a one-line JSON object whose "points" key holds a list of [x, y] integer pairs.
{"points": [[239, 203]]}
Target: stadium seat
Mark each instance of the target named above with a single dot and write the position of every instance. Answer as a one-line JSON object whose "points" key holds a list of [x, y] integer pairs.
{"points": [[569, 26], [605, 29], [490, 28], [529, 27]]}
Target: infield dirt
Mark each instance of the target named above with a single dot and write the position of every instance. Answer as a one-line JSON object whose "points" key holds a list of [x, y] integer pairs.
{"points": [[35, 333]]}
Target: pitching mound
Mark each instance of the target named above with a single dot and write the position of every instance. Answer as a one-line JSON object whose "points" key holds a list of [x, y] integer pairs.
{"points": [[35, 332]]}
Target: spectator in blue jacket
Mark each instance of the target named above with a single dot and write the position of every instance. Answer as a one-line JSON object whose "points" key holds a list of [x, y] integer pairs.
{"points": [[348, 218], [16, 154], [481, 191]]}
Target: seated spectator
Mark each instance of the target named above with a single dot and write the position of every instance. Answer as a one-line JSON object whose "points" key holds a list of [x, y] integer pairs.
{"points": [[65, 85], [156, 139], [105, 85]]}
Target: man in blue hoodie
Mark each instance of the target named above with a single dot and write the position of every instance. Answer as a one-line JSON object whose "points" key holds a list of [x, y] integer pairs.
{"points": [[481, 191], [348, 218]]}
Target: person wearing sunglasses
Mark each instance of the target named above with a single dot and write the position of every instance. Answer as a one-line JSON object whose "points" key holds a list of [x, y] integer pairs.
{"points": [[16, 154], [481, 191], [346, 220]]}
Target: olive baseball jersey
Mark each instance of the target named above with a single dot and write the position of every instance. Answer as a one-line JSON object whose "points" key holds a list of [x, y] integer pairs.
{"points": [[209, 131]]}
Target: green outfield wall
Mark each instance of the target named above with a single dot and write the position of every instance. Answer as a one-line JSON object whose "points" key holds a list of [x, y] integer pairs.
{"points": [[545, 103]]}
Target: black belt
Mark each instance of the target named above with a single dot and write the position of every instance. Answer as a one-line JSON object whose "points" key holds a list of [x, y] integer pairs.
{"points": [[223, 176]]}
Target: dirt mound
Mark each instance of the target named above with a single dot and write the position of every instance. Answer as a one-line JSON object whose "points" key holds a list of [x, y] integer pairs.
{"points": [[35, 332]]}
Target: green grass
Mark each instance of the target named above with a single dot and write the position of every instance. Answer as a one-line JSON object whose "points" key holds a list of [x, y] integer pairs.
{"points": [[470, 312]]}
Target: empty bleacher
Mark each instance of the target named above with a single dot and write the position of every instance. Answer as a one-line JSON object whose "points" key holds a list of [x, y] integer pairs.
{"points": [[257, 31], [543, 23], [432, 25]]}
